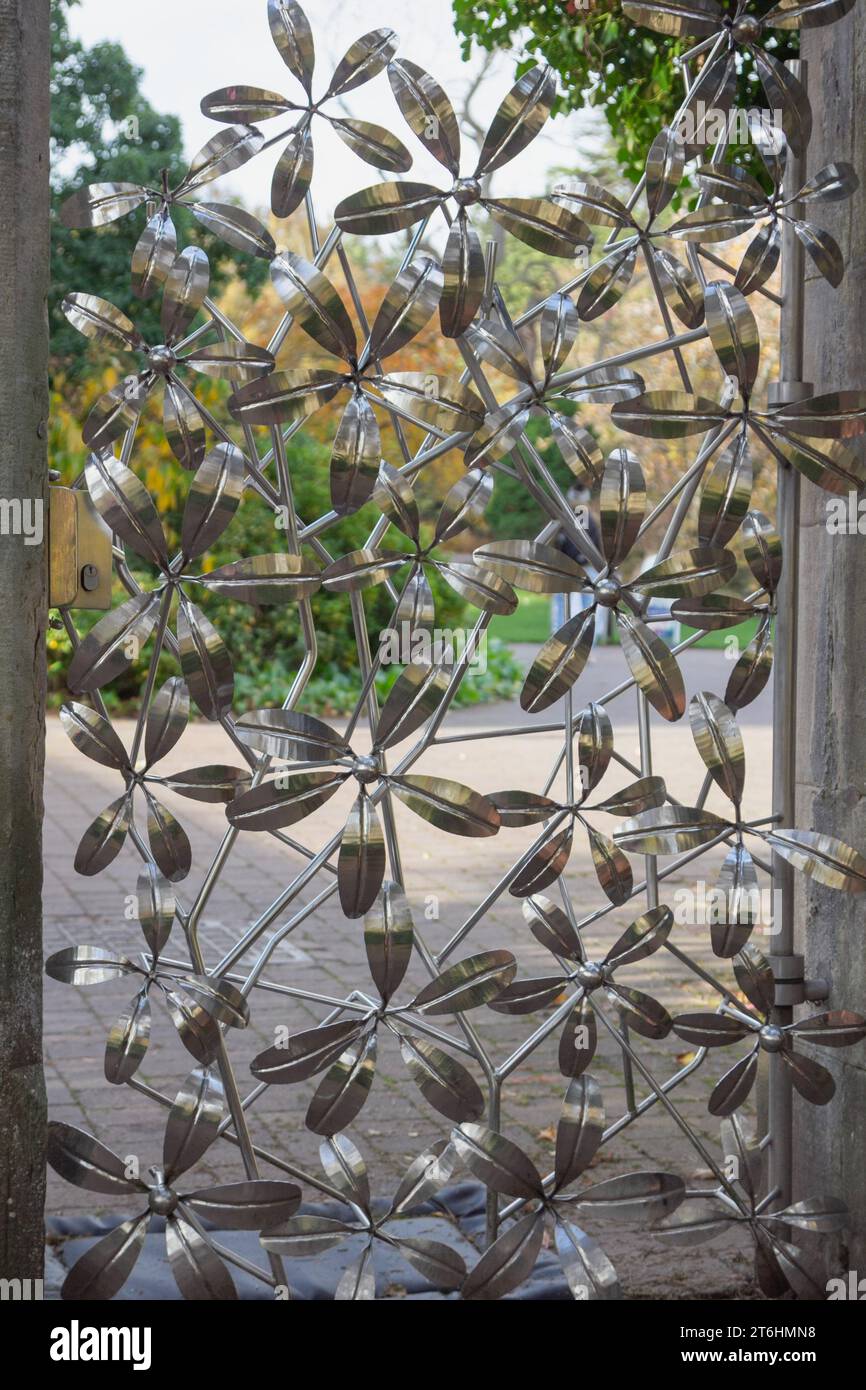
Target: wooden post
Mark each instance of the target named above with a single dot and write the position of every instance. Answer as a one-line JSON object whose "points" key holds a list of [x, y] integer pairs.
{"points": [[831, 752], [25, 51]]}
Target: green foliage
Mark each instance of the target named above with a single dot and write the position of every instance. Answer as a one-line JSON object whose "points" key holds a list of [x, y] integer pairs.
{"points": [[103, 128], [602, 60]]}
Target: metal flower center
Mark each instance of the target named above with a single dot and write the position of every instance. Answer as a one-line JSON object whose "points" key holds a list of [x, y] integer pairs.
{"points": [[161, 358], [590, 974], [771, 1038], [466, 191], [366, 769], [607, 592], [747, 29], [162, 1200]]}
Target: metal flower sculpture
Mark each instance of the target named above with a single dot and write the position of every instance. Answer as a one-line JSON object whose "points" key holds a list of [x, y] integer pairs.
{"points": [[505, 390], [594, 736], [579, 1039], [390, 207], [543, 569], [348, 1048], [784, 1240], [198, 1265], [838, 1028], [94, 736], [327, 761], [293, 394], [745, 203], [611, 276], [345, 1168], [733, 332], [155, 253], [727, 35], [634, 1198], [463, 507], [196, 1003], [293, 39], [185, 291]]}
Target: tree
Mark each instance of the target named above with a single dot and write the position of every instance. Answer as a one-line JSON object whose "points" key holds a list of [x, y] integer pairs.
{"points": [[602, 60], [104, 128]]}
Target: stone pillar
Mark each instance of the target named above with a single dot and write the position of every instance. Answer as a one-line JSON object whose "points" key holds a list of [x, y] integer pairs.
{"points": [[830, 1142], [24, 268]]}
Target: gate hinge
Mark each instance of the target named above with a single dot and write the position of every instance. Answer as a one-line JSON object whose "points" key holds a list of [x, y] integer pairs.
{"points": [[79, 551], [791, 985]]}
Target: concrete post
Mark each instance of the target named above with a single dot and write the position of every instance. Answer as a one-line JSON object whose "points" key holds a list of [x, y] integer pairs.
{"points": [[24, 268], [831, 696]]}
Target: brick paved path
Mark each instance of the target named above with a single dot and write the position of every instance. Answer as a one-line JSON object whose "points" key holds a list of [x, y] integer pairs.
{"points": [[444, 875]]}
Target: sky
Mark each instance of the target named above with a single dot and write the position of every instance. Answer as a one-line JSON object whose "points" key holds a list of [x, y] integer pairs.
{"points": [[187, 48]]}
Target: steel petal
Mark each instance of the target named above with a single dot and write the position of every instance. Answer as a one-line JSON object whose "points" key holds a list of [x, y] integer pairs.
{"points": [[344, 1090], [653, 665], [156, 907], [736, 1084], [224, 152], [645, 1014], [277, 804], [315, 305], [612, 869], [388, 939], [444, 1082], [345, 1169], [497, 1162], [373, 143], [508, 1261], [366, 57], [264, 579], [522, 808], [811, 1080], [93, 735], [198, 1270], [82, 1160], [664, 170], [305, 1235], [519, 119], [355, 457], [106, 651], [88, 965], [387, 207], [669, 830], [559, 663], [213, 498], [100, 321], [642, 938], [185, 290], [362, 860], [443, 1266], [425, 1175], [116, 411], [752, 671], [545, 866], [607, 282], [433, 400], [622, 504], [755, 978], [711, 612], [231, 361], [733, 333], [822, 857], [128, 1041], [105, 1267], [667, 415], [293, 37], [245, 1206], [579, 449], [205, 662], [550, 925], [196, 1027], [100, 203], [587, 1269], [464, 505], [244, 104], [637, 1198], [500, 347], [293, 173], [558, 327], [166, 719], [287, 734], [413, 698], [103, 839], [580, 1130], [126, 506], [527, 996], [427, 109], [531, 565], [675, 18], [236, 227], [578, 1040], [733, 914], [726, 494], [785, 93], [542, 224], [358, 1282], [193, 1121], [306, 1053], [840, 1028], [480, 587], [447, 805], [184, 426], [222, 1000], [408, 305], [719, 741], [463, 277], [760, 259], [638, 796], [680, 288], [468, 984]]}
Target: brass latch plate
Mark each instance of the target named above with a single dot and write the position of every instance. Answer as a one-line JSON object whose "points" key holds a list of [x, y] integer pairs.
{"points": [[79, 550]]}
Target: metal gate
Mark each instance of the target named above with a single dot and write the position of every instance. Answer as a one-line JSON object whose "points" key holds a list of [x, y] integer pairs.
{"points": [[738, 566]]}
